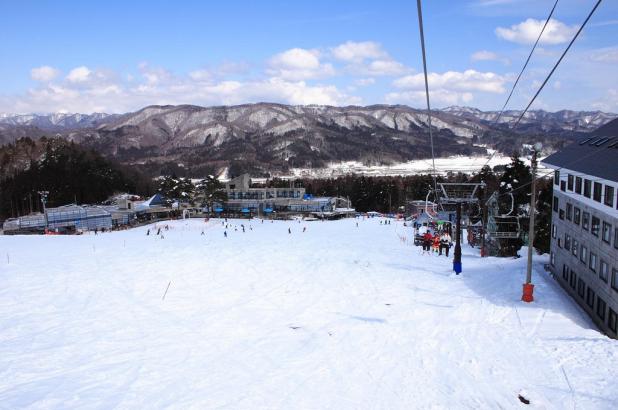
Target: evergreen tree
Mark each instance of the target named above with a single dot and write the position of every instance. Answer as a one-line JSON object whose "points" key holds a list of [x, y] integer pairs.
{"points": [[210, 191]]}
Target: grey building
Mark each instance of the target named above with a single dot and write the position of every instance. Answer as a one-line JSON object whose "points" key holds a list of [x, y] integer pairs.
{"points": [[584, 248], [244, 197]]}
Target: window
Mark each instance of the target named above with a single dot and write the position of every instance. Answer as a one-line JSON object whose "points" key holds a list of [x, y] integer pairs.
{"points": [[592, 262], [575, 247], [598, 188], [578, 185], [557, 177], [581, 287], [590, 297], [552, 258], [609, 195], [573, 280], [611, 321], [563, 186], [561, 214], [601, 308], [583, 255], [594, 227], [616, 237], [615, 279], [569, 211], [567, 241], [554, 231], [576, 215], [587, 185], [570, 182], [607, 232], [565, 272], [555, 204], [603, 271], [585, 220]]}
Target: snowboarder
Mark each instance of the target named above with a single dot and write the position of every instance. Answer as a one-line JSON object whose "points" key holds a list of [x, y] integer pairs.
{"points": [[202, 233]]}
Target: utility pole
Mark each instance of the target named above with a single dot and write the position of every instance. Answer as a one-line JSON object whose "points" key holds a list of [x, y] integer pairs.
{"points": [[44, 201], [527, 295], [457, 255]]}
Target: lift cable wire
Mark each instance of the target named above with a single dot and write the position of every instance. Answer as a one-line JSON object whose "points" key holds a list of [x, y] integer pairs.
{"points": [[497, 119], [557, 63], [420, 26]]}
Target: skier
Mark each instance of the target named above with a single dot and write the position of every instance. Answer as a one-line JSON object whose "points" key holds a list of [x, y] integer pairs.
{"points": [[304, 228], [289, 230], [357, 224], [225, 233], [202, 233], [445, 243], [427, 240], [148, 232], [159, 231], [436, 243]]}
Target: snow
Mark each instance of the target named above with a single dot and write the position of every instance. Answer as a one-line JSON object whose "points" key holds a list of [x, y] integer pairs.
{"points": [[339, 317], [464, 164]]}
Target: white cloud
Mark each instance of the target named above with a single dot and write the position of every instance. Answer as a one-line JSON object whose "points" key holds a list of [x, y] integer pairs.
{"points": [[605, 55], [484, 55], [351, 51], [201, 75], [469, 80], [448, 88], [440, 97], [365, 81], [79, 74], [299, 64], [527, 32], [44, 73], [89, 90]]}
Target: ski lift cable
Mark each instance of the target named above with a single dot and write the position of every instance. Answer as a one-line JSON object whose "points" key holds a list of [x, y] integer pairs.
{"points": [[422, 35], [558, 62], [495, 121]]}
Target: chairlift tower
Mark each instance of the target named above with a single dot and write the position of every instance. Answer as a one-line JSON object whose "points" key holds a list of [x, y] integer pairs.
{"points": [[458, 193]]}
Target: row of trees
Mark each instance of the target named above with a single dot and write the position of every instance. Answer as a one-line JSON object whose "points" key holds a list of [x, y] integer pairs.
{"points": [[68, 172], [206, 192]]}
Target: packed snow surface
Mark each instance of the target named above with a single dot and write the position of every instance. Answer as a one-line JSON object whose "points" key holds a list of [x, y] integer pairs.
{"points": [[337, 317]]}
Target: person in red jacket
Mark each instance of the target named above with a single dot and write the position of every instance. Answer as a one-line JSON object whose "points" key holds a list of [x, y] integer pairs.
{"points": [[427, 242]]}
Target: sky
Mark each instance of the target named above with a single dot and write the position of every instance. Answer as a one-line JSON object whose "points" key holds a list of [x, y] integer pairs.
{"points": [[118, 56]]}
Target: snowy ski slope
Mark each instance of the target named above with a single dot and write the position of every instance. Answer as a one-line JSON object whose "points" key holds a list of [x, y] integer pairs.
{"points": [[338, 317]]}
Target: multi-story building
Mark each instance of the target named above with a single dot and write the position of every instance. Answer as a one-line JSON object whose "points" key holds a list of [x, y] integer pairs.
{"points": [[584, 248], [243, 197]]}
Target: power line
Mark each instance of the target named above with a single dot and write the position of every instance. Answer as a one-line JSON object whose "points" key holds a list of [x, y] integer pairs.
{"points": [[420, 26], [495, 121]]}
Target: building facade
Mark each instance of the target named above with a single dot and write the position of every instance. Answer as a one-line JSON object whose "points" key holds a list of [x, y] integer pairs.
{"points": [[584, 245], [243, 198]]}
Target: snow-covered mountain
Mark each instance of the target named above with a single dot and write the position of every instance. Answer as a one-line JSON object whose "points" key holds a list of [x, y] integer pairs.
{"points": [[267, 136], [567, 120], [56, 121]]}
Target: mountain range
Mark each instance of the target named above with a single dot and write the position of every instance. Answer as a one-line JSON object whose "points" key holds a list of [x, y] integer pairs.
{"points": [[265, 137]]}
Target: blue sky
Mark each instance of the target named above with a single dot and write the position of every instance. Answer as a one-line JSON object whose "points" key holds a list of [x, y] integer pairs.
{"points": [[114, 56]]}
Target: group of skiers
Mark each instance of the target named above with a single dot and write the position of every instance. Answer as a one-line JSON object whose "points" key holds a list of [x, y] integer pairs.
{"points": [[436, 242]]}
